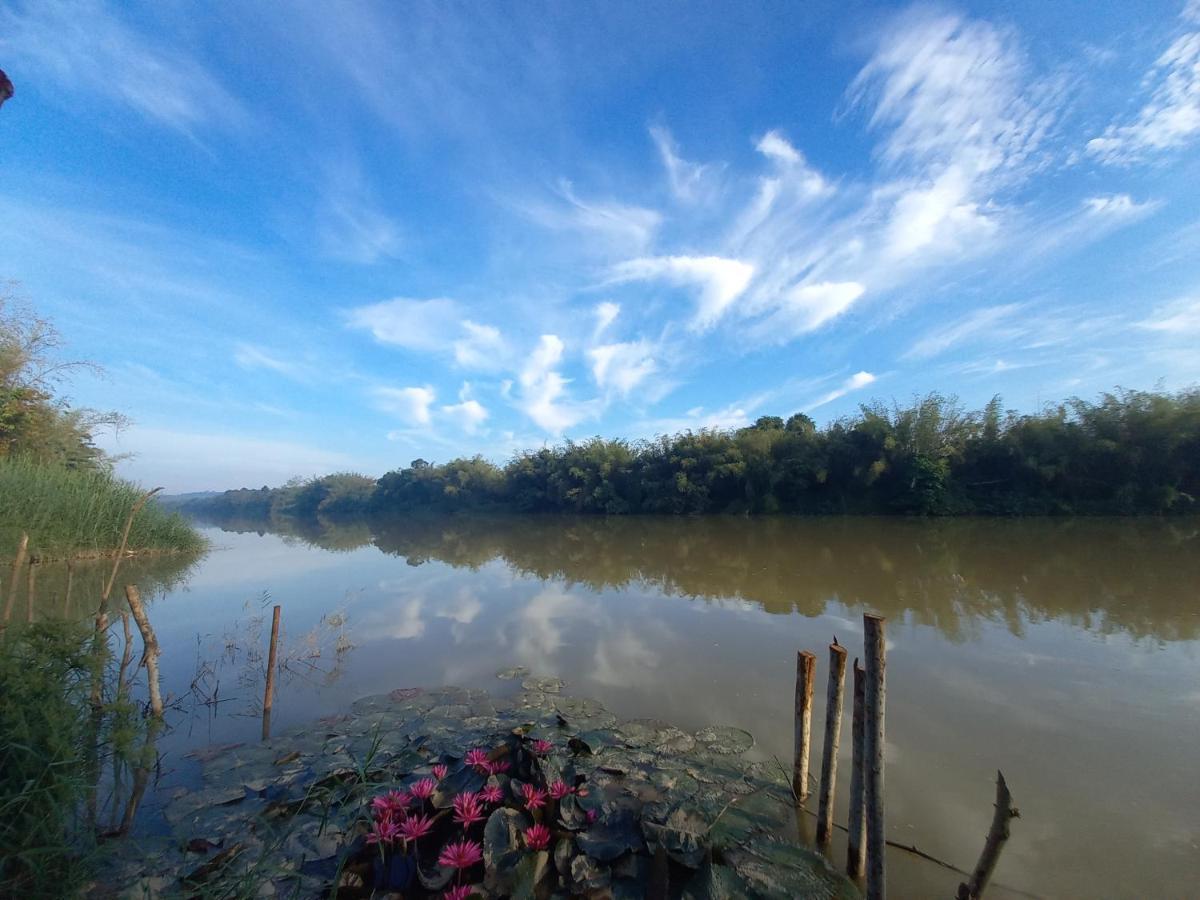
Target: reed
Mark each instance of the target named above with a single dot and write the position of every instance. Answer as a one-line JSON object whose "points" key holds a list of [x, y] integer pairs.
{"points": [[80, 512]]}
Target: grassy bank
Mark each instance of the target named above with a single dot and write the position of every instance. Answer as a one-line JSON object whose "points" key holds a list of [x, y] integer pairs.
{"points": [[80, 512]]}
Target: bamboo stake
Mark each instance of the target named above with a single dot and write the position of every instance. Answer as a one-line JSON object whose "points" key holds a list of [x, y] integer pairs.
{"points": [[996, 836], [269, 694], [31, 590], [137, 508], [856, 842], [806, 670], [15, 579], [873, 738], [67, 600], [150, 654], [833, 736]]}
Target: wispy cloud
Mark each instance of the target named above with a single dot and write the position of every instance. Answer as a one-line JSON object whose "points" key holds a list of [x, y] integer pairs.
{"points": [[980, 322], [622, 367], [543, 394], [689, 181], [350, 224], [719, 281], [1170, 118], [1178, 318], [251, 357], [618, 227], [87, 49], [855, 382]]}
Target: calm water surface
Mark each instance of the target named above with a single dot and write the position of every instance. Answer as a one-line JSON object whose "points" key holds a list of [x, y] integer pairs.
{"points": [[1066, 653]]}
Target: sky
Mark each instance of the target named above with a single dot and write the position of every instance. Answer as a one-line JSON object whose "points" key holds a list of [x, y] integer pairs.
{"points": [[309, 237]]}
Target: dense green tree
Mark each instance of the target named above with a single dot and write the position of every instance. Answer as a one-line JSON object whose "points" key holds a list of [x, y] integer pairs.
{"points": [[1128, 452]]}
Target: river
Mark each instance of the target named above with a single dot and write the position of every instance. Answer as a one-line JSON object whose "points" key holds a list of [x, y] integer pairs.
{"points": [[1064, 652]]}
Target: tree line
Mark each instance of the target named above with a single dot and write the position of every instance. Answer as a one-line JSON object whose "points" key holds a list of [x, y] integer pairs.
{"points": [[1128, 452]]}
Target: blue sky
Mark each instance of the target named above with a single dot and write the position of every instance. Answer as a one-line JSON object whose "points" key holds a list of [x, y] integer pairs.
{"points": [[307, 237]]}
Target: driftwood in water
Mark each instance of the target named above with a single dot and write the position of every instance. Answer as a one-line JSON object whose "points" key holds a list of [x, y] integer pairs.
{"points": [[150, 641], [873, 720], [856, 842], [806, 670], [272, 656], [833, 734], [996, 836], [15, 579]]}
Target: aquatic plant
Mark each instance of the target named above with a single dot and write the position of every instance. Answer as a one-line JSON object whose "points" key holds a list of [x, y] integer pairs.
{"points": [[537, 837], [535, 797], [461, 855], [467, 810]]}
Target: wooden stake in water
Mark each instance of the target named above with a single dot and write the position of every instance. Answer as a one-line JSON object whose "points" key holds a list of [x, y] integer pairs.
{"points": [[272, 655], [15, 579], [996, 836], [150, 641], [833, 736], [806, 671], [874, 702], [67, 599], [856, 841]]}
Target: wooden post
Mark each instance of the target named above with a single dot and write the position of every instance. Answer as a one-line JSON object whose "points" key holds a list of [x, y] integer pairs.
{"points": [[874, 702], [996, 836], [856, 842], [67, 600], [15, 579], [833, 736], [31, 590], [272, 655], [150, 655], [806, 671]]}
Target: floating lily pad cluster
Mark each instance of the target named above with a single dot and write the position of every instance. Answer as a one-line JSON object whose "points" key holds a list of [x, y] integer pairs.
{"points": [[449, 793]]}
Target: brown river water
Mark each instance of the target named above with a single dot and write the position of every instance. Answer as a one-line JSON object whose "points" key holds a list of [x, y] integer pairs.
{"points": [[1065, 653]]}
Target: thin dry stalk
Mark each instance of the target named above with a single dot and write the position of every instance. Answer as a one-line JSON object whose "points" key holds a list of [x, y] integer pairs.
{"points": [[272, 657], [997, 835], [15, 579], [31, 591]]}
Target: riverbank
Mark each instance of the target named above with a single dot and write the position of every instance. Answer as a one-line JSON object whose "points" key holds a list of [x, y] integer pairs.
{"points": [[639, 801], [80, 513]]}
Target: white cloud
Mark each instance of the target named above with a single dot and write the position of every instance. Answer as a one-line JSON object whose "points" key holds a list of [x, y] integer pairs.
{"points": [[1170, 118], [88, 49], [1117, 206], [606, 313], [721, 281], [410, 404], [354, 229], [938, 216], [775, 146], [855, 382], [543, 390], [483, 348], [468, 415], [413, 324], [807, 307], [1182, 317], [621, 367]]}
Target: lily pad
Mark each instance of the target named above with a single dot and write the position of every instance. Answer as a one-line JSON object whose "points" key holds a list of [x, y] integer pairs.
{"points": [[725, 739], [680, 830], [543, 684], [614, 833]]}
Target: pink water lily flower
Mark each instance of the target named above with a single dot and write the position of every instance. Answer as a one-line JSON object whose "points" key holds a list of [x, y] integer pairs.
{"points": [[467, 810], [560, 789], [461, 854], [592, 816], [415, 827], [541, 747], [492, 793], [535, 797], [439, 772], [537, 837], [477, 758], [500, 765], [390, 803], [462, 892], [423, 789], [384, 831]]}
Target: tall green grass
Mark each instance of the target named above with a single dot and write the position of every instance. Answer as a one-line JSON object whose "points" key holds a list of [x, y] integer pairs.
{"points": [[45, 734], [79, 511]]}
